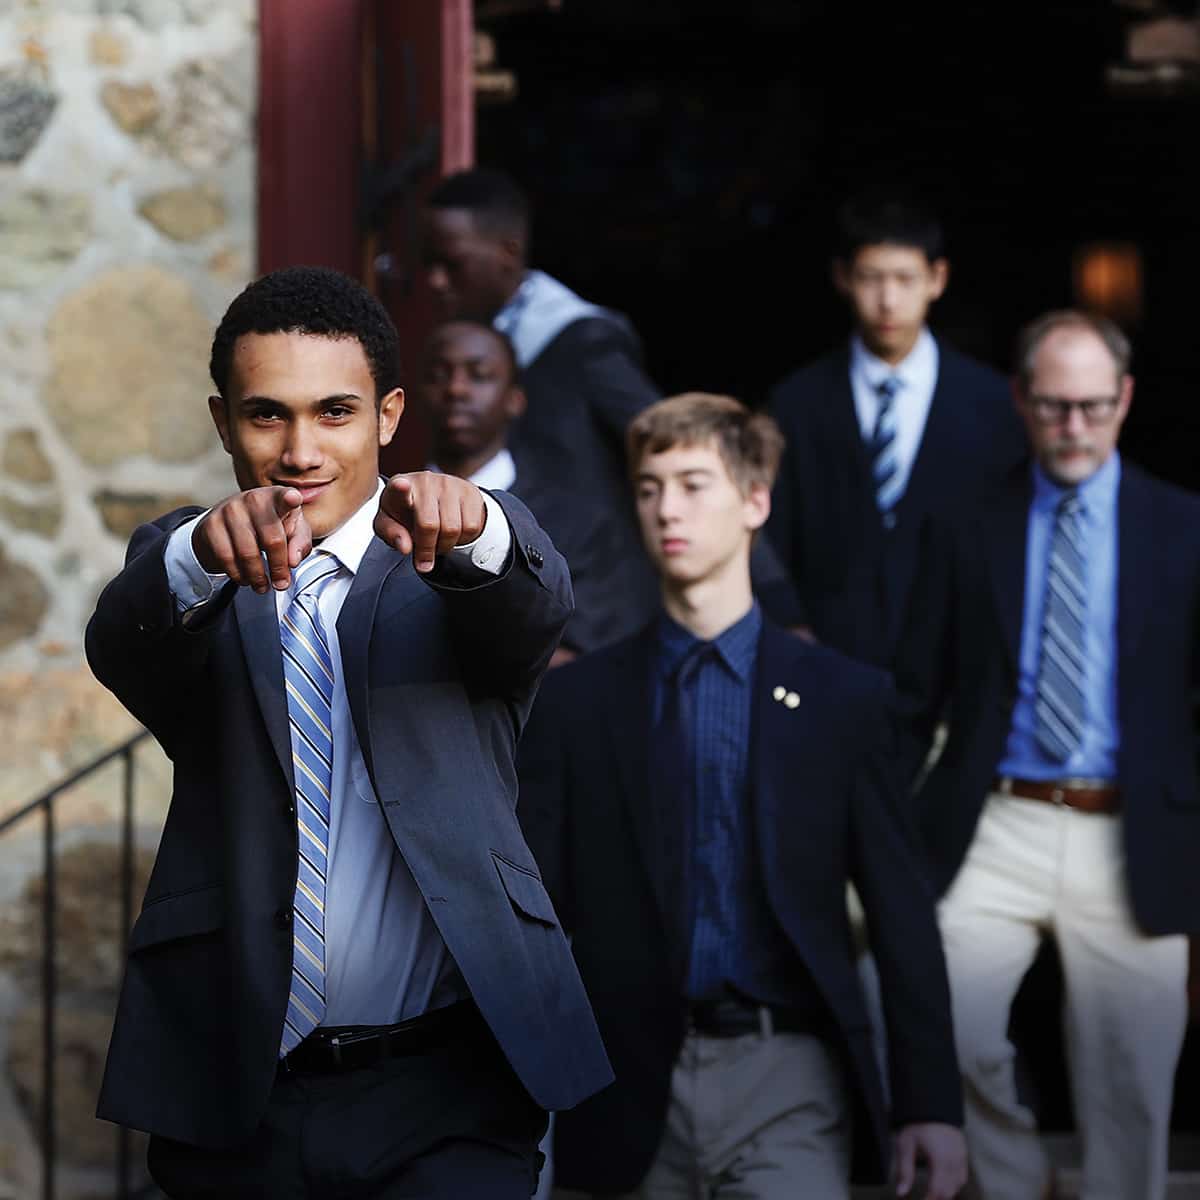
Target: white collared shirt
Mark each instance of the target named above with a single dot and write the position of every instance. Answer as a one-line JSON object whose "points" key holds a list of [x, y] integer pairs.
{"points": [[384, 958], [918, 373], [498, 474]]}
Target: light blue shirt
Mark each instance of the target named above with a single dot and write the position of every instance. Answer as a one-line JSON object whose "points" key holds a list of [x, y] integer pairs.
{"points": [[918, 374], [1096, 757]]}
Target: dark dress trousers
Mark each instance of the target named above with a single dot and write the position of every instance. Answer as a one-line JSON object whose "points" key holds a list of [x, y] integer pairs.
{"points": [[823, 808], [854, 576], [960, 657], [440, 677]]}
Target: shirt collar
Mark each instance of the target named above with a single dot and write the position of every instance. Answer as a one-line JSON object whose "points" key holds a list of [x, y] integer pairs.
{"points": [[736, 646], [350, 540], [1097, 493], [498, 474], [919, 364]]}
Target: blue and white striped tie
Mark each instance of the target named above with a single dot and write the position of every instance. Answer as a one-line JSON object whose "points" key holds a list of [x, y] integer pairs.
{"points": [[1059, 701], [308, 677], [882, 447]]}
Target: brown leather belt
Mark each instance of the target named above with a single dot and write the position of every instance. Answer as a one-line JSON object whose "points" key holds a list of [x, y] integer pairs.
{"points": [[1087, 795]]}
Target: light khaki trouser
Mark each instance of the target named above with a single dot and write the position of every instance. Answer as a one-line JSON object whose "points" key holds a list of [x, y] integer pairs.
{"points": [[751, 1118], [1036, 869]]}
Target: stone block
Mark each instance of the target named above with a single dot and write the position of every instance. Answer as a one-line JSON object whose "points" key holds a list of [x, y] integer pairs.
{"points": [[185, 214], [128, 368], [23, 601], [205, 121], [40, 231], [107, 48], [23, 458], [133, 106], [26, 106], [43, 519], [123, 512]]}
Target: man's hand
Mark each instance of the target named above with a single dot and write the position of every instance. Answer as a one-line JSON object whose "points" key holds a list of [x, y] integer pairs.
{"points": [[944, 1150], [426, 514], [233, 536]]}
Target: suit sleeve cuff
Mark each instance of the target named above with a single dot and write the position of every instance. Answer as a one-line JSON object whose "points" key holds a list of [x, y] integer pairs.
{"points": [[191, 585]]}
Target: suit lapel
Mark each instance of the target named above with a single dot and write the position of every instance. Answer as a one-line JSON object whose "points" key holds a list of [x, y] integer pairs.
{"points": [[354, 626], [1135, 568], [842, 417], [629, 715], [1007, 526], [937, 440], [258, 625]]}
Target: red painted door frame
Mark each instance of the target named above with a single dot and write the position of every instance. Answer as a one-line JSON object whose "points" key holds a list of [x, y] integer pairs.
{"points": [[345, 80]]}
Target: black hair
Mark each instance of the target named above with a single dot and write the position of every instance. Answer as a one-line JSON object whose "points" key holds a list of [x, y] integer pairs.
{"points": [[493, 198], [501, 339], [310, 300], [882, 218]]}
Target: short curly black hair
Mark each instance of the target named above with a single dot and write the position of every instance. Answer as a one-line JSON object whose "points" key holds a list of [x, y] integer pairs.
{"points": [[312, 300]]}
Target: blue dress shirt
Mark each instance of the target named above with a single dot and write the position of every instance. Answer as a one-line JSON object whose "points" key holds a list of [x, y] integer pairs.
{"points": [[735, 938], [1096, 757]]}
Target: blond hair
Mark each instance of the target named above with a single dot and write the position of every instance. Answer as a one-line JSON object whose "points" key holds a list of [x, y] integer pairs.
{"points": [[750, 443]]}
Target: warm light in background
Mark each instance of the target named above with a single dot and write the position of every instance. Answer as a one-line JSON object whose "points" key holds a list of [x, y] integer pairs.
{"points": [[1108, 280]]}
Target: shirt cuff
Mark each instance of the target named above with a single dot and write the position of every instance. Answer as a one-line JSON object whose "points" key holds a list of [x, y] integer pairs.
{"points": [[190, 583], [489, 551]]}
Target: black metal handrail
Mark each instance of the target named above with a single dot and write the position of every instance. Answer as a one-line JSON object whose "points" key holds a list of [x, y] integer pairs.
{"points": [[45, 804]]}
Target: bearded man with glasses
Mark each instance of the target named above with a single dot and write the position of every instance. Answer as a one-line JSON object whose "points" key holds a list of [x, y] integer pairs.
{"points": [[1056, 633]]}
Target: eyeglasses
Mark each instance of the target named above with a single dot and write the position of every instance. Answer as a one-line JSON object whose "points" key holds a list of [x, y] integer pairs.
{"points": [[1050, 410]]}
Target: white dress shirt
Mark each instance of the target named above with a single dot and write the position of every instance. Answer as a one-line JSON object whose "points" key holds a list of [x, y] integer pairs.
{"points": [[918, 375], [498, 474], [384, 958]]}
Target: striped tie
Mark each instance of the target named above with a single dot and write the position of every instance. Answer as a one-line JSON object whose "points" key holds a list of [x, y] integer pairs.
{"points": [[308, 677], [882, 447], [1059, 703]]}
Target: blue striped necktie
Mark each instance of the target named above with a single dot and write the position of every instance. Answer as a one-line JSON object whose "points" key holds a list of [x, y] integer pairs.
{"points": [[308, 678], [1059, 702], [882, 447]]}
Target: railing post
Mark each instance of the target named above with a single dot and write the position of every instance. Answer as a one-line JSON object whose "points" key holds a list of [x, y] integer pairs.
{"points": [[49, 988], [123, 1134]]}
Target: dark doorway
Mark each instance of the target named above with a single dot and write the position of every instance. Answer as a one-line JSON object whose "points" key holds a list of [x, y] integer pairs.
{"points": [[684, 160]]}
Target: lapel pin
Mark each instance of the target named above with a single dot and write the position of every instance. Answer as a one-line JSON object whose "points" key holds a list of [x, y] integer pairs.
{"points": [[791, 700], [779, 693]]}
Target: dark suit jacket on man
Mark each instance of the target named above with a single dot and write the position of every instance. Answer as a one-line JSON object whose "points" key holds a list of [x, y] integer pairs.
{"points": [[855, 577], [824, 809], [960, 657], [439, 676]]}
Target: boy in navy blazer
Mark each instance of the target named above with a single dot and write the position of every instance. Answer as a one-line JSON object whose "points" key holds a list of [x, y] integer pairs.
{"points": [[697, 798]]}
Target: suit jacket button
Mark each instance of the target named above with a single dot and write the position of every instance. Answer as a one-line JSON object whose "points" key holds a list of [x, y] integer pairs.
{"points": [[289, 809], [535, 556], [283, 918]]}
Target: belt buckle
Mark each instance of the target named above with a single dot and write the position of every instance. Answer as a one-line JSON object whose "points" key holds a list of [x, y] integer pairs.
{"points": [[1058, 796], [335, 1044]]}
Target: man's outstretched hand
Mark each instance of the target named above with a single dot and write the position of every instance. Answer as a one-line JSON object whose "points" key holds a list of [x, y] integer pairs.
{"points": [[944, 1151], [426, 514], [233, 536]]}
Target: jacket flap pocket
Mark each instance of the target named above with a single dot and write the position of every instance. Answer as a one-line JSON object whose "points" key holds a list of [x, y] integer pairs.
{"points": [[183, 914], [525, 890]]}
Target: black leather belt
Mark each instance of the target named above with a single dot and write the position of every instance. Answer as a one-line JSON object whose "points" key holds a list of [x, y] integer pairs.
{"points": [[731, 1017], [347, 1047]]}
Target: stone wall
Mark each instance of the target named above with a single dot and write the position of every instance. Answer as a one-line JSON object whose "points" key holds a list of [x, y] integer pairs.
{"points": [[127, 166]]}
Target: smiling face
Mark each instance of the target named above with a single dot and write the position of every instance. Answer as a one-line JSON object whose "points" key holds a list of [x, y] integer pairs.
{"points": [[468, 389], [1073, 365], [300, 411], [890, 289], [696, 522]]}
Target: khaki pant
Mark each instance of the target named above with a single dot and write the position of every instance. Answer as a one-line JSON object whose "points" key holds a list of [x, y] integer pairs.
{"points": [[1039, 869], [752, 1118]]}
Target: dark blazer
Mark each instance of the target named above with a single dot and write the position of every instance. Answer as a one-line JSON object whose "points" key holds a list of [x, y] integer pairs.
{"points": [[825, 810], [615, 591], [440, 678], [960, 658], [855, 577]]}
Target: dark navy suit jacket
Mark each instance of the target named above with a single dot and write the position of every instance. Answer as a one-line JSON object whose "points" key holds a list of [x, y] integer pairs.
{"points": [[854, 577], [440, 678], [959, 659], [825, 808]]}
